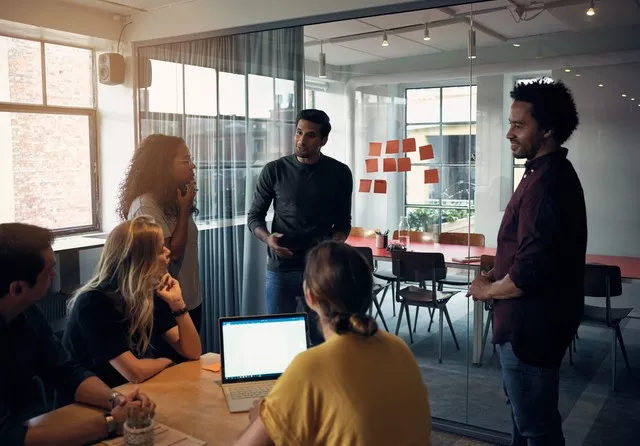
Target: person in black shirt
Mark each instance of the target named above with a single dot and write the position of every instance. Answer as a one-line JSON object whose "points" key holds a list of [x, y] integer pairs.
{"points": [[129, 306], [311, 195], [538, 279], [30, 352]]}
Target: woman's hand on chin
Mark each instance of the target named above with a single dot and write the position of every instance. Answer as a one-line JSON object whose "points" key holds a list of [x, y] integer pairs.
{"points": [[169, 290]]}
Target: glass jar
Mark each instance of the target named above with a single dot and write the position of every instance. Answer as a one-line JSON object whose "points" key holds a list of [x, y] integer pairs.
{"points": [[138, 427], [403, 232]]}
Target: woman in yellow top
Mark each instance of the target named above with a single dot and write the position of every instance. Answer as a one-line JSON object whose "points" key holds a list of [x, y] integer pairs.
{"points": [[362, 387]]}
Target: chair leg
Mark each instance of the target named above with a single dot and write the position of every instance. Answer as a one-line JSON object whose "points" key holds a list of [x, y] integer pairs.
{"points": [[393, 296], [484, 339], [415, 321], [432, 312], [622, 347], [402, 306], [453, 333], [379, 312], [409, 324], [440, 343], [613, 360]]}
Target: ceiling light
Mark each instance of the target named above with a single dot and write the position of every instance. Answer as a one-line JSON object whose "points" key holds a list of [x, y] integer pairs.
{"points": [[592, 10], [600, 85], [472, 44], [517, 45], [577, 74], [426, 33], [567, 70], [385, 41], [322, 68], [624, 95], [633, 99]]}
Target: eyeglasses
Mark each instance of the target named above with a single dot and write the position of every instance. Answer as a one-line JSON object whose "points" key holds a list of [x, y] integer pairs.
{"points": [[185, 160]]}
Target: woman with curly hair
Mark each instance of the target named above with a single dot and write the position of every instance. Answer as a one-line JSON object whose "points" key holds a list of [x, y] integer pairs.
{"points": [[160, 182]]}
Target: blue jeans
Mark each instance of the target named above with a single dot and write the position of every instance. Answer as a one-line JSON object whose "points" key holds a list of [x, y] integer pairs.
{"points": [[283, 291], [532, 393]]}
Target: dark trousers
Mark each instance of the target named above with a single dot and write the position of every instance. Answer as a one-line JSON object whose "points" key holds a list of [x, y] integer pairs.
{"points": [[532, 393], [283, 290]]}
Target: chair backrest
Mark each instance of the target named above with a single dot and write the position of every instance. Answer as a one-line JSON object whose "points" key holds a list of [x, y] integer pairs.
{"points": [[366, 253], [602, 280], [357, 231], [416, 236], [418, 266], [486, 263], [462, 238]]}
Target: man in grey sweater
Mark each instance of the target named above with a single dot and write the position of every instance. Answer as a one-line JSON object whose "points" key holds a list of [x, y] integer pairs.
{"points": [[311, 195]]}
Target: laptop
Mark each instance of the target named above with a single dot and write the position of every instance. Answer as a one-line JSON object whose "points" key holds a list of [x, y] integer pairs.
{"points": [[255, 351]]}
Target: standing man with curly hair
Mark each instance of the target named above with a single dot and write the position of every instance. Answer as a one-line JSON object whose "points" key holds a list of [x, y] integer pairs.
{"points": [[537, 282], [160, 182]]}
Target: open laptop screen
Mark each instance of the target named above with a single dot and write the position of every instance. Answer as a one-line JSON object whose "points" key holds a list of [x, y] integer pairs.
{"points": [[261, 347]]}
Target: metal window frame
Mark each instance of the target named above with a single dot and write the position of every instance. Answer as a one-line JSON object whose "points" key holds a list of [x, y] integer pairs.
{"points": [[89, 112]]}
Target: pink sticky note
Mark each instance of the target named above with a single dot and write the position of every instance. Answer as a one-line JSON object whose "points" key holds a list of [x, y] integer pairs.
{"points": [[365, 186], [389, 165], [380, 187], [393, 146], [404, 164], [372, 165], [375, 148], [426, 152], [409, 145], [431, 176]]}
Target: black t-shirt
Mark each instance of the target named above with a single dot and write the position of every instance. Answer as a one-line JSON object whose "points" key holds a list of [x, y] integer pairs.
{"points": [[97, 333]]}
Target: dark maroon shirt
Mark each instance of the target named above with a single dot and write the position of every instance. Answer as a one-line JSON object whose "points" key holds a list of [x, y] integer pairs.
{"points": [[542, 245]]}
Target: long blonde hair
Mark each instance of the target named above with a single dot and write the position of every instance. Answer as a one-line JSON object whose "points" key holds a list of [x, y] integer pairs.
{"points": [[129, 261]]}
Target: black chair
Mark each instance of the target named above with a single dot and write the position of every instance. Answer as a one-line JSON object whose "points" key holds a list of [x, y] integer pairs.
{"points": [[377, 288], [605, 281], [423, 268]]}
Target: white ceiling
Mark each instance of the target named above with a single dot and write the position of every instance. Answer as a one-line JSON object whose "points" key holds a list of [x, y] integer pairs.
{"points": [[499, 17], [125, 6]]}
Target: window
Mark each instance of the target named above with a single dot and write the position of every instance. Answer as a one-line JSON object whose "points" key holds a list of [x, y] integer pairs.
{"points": [[445, 118], [518, 164], [48, 135]]}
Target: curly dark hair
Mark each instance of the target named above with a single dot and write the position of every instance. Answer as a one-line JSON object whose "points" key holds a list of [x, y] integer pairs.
{"points": [[151, 162], [552, 106]]}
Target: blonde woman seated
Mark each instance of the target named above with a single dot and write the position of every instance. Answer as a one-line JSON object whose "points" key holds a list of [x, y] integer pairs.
{"points": [[362, 387], [129, 302]]}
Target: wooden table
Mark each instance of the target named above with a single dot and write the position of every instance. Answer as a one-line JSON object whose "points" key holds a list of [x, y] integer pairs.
{"points": [[188, 399], [629, 267]]}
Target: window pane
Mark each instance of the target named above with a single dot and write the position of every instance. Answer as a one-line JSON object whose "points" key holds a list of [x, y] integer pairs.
{"points": [[457, 220], [165, 93], [517, 176], [200, 91], [232, 94], [425, 134], [69, 75], [423, 219], [423, 105], [455, 104], [260, 97], [168, 126], [456, 191], [455, 143], [420, 193], [285, 89], [48, 180], [23, 82]]}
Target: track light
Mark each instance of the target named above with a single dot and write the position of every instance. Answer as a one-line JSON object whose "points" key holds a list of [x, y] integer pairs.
{"points": [[322, 67], [426, 32], [592, 10], [385, 41], [472, 44]]}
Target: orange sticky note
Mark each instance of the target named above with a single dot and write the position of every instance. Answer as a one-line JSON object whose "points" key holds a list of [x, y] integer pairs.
{"points": [[372, 165], [431, 176], [375, 148], [365, 186], [409, 145], [393, 146], [389, 165], [380, 187], [404, 164], [215, 367], [426, 152]]}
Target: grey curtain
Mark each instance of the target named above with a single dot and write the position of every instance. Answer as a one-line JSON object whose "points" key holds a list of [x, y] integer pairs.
{"points": [[234, 100]]}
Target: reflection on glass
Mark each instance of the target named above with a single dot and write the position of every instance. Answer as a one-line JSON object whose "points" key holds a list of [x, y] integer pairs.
{"points": [[425, 134], [423, 219], [420, 193], [455, 188]]}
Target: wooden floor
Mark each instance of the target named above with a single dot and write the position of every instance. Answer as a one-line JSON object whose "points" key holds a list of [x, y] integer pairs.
{"points": [[444, 439]]}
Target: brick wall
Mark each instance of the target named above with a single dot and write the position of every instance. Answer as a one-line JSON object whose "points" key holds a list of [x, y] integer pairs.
{"points": [[51, 158]]}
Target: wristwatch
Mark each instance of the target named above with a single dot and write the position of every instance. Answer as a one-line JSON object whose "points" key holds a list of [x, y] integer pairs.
{"points": [[114, 396], [180, 312], [112, 427]]}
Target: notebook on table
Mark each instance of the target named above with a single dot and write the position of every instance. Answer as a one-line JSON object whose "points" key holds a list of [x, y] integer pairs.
{"points": [[255, 351]]}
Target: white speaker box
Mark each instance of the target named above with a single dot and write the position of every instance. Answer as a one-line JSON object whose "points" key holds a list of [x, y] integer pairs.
{"points": [[111, 68]]}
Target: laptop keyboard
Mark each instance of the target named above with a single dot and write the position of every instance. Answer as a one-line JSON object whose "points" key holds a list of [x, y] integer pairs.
{"points": [[250, 391]]}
